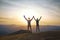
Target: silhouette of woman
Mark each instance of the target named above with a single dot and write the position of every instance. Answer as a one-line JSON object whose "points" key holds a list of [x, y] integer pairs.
{"points": [[29, 23], [37, 24]]}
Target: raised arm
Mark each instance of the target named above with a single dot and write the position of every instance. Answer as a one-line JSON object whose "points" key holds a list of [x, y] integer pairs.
{"points": [[25, 17], [32, 17], [40, 18]]}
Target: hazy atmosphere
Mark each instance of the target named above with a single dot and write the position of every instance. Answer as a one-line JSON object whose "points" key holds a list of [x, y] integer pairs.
{"points": [[12, 11]]}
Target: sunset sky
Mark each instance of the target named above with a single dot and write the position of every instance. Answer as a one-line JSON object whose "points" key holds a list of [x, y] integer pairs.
{"points": [[12, 11]]}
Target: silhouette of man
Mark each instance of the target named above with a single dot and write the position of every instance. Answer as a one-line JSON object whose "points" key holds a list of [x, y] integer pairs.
{"points": [[37, 24], [29, 23]]}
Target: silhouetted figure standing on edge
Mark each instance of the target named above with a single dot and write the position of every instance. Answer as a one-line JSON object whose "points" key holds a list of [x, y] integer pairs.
{"points": [[37, 24], [29, 23]]}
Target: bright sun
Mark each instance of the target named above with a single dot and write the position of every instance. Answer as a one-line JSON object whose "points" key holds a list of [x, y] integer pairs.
{"points": [[28, 12]]}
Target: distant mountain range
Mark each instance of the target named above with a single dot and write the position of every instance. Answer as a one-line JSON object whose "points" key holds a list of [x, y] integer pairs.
{"points": [[7, 29]]}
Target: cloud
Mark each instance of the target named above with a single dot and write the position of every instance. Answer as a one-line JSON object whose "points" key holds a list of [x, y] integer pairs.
{"points": [[4, 18], [51, 5]]}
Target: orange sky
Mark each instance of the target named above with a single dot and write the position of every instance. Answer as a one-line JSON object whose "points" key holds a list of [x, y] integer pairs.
{"points": [[9, 21]]}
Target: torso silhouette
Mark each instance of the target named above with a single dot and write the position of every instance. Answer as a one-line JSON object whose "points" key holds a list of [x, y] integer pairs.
{"points": [[37, 22], [29, 22]]}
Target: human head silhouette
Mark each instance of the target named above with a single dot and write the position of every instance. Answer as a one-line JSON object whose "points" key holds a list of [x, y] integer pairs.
{"points": [[37, 18], [28, 18]]}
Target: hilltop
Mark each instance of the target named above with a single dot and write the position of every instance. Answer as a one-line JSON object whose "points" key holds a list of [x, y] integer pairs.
{"points": [[50, 35]]}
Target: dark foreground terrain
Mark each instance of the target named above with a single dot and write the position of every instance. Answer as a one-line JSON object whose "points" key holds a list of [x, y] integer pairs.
{"points": [[50, 35]]}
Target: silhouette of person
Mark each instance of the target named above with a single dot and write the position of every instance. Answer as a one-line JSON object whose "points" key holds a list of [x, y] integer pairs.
{"points": [[29, 23], [37, 24]]}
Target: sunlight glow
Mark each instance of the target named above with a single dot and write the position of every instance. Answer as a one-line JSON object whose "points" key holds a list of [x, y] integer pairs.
{"points": [[30, 12]]}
